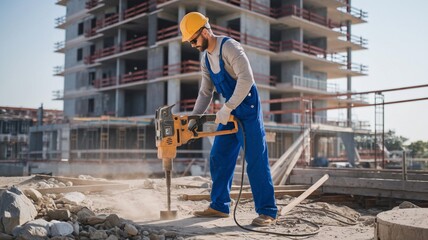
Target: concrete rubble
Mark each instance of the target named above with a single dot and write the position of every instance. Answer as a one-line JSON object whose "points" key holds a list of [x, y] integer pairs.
{"points": [[30, 215]]}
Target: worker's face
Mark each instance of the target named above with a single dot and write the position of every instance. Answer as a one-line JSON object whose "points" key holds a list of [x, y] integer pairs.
{"points": [[199, 41]]}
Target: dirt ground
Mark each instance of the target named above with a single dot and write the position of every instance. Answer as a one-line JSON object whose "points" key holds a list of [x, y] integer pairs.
{"points": [[145, 198]]}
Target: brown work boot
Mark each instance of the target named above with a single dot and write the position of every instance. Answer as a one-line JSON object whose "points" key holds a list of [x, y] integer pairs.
{"points": [[263, 221], [209, 212]]}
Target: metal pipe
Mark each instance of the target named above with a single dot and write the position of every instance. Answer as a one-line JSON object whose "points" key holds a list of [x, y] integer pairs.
{"points": [[404, 167]]}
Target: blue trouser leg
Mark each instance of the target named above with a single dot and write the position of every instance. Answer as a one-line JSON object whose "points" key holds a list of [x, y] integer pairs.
{"points": [[222, 165], [258, 170]]}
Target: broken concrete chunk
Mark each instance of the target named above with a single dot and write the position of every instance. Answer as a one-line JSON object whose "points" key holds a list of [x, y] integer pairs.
{"points": [[98, 234], [112, 221], [130, 229], [33, 230], [407, 204], [15, 209], [74, 198], [83, 214], [59, 214], [60, 228], [33, 194], [94, 220]]}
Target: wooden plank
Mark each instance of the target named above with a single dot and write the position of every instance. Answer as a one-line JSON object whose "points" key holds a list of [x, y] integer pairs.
{"points": [[304, 195], [245, 195], [85, 188]]}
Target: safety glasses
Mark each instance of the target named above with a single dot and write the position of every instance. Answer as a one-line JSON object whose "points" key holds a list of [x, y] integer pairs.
{"points": [[194, 40]]}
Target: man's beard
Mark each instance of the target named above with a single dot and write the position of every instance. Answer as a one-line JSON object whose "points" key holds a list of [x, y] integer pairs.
{"points": [[204, 45]]}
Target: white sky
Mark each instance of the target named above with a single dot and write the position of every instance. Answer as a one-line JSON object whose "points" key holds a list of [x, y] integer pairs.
{"points": [[397, 42]]}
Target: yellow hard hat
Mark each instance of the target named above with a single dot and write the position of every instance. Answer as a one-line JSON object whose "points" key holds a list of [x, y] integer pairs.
{"points": [[190, 24]]}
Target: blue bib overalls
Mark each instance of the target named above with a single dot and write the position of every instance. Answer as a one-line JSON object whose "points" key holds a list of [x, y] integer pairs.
{"points": [[226, 148]]}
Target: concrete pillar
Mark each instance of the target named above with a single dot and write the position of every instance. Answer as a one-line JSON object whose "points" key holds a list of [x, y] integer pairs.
{"points": [[153, 29], [120, 103], [64, 142], [174, 91], [155, 91], [349, 143]]}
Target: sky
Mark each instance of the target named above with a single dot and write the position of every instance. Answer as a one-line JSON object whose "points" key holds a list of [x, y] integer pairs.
{"points": [[396, 57]]}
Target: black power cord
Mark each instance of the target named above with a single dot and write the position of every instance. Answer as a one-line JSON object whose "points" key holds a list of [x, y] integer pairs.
{"points": [[281, 220]]}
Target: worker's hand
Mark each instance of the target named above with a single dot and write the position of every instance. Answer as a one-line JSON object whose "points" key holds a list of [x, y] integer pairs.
{"points": [[192, 124], [223, 115]]}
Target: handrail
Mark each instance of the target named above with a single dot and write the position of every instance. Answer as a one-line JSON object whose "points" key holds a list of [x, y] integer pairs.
{"points": [[134, 76], [105, 82], [354, 39], [358, 13], [167, 32], [299, 46], [59, 45], [305, 14], [101, 23], [133, 11], [243, 37], [59, 21]]}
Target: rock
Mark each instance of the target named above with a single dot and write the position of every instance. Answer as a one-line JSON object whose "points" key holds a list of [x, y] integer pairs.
{"points": [[61, 228], [76, 228], [130, 229], [15, 209], [83, 214], [93, 220], [33, 230], [407, 204], [74, 198], [42, 185], [113, 221], [59, 214], [98, 234], [112, 237], [69, 184], [149, 184], [61, 184], [33, 194]]}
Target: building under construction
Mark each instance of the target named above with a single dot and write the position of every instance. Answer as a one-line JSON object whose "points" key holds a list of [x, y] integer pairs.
{"points": [[125, 58]]}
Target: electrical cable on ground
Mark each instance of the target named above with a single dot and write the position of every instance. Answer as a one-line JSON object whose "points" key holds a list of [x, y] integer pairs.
{"points": [[281, 220]]}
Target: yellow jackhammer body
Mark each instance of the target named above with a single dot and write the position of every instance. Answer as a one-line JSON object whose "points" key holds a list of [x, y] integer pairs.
{"points": [[173, 131]]}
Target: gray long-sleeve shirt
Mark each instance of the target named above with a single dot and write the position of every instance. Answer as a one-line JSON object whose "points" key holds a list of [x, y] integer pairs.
{"points": [[236, 64]]}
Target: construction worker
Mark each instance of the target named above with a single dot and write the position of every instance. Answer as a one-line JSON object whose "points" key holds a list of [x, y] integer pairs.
{"points": [[226, 68]]}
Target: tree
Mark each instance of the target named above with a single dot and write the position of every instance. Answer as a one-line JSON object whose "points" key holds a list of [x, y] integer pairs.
{"points": [[394, 142], [418, 148]]}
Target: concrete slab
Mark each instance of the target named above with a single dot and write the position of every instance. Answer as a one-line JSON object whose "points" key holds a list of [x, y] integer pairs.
{"points": [[402, 224]]}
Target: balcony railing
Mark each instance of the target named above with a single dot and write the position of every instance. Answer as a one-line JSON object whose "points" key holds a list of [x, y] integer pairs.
{"points": [[105, 82], [290, 45], [309, 83], [59, 21], [110, 20], [58, 70], [358, 13], [265, 79], [58, 94], [290, 10], [134, 11], [143, 75], [243, 37], [59, 46], [126, 46], [92, 3], [354, 39], [167, 32]]}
